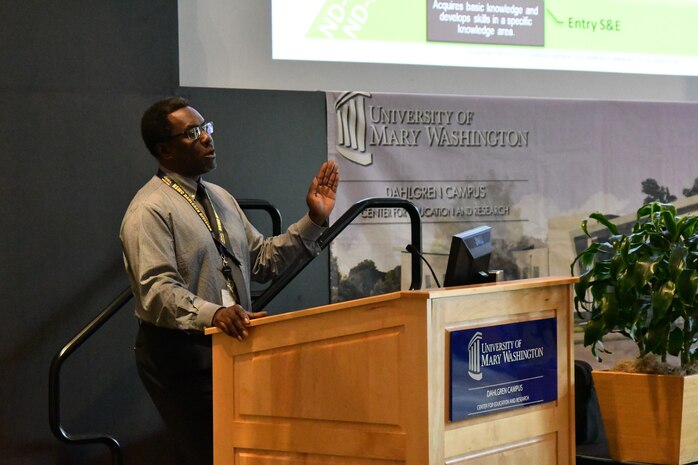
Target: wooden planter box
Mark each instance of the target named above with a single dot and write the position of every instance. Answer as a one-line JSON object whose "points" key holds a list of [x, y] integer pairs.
{"points": [[649, 418]]}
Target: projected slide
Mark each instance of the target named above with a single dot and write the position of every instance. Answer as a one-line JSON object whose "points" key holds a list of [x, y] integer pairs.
{"points": [[625, 36]]}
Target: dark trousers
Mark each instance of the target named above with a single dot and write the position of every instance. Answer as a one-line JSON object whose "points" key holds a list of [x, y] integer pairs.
{"points": [[175, 368]]}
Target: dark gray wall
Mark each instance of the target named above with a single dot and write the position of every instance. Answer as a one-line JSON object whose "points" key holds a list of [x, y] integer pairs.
{"points": [[75, 78]]}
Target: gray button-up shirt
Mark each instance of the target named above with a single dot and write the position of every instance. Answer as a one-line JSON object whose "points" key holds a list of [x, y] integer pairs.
{"points": [[172, 261]]}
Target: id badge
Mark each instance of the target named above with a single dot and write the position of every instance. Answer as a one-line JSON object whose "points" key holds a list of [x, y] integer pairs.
{"points": [[227, 298]]}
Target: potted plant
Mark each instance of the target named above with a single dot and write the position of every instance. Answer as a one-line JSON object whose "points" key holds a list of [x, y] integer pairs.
{"points": [[643, 285]]}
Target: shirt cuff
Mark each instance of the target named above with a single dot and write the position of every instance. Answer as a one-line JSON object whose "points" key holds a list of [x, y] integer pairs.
{"points": [[206, 312], [308, 230]]}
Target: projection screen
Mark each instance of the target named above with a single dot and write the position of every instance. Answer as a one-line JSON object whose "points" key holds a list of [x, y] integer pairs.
{"points": [[635, 49]]}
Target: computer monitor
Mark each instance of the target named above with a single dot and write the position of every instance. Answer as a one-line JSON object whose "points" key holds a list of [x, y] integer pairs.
{"points": [[469, 258]]}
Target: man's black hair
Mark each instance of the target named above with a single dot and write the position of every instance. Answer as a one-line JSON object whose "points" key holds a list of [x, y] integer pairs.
{"points": [[155, 127]]}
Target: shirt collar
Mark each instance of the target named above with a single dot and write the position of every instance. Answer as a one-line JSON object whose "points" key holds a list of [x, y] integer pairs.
{"points": [[188, 184]]}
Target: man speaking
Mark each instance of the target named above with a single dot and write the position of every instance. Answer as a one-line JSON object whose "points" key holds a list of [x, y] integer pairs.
{"points": [[190, 254]]}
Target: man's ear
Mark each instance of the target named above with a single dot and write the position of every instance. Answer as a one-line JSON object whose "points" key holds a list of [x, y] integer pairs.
{"points": [[162, 149]]}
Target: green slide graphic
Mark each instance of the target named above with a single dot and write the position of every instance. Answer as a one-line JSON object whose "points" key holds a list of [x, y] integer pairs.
{"points": [[653, 27]]}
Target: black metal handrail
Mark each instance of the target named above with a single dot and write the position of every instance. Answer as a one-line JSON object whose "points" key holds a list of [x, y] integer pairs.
{"points": [[338, 226], [259, 204], [126, 295], [54, 390], [274, 214], [54, 381]]}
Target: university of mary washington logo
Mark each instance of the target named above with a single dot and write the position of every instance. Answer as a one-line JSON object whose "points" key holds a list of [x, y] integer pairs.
{"points": [[504, 353], [502, 366], [350, 109], [474, 351]]}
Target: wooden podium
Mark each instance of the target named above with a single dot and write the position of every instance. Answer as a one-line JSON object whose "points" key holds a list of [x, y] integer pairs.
{"points": [[367, 382]]}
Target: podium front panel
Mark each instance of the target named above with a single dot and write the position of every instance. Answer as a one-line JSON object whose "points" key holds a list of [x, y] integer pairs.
{"points": [[342, 385], [366, 383], [542, 434]]}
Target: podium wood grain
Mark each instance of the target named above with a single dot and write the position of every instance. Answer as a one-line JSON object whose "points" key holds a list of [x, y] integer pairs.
{"points": [[365, 383]]}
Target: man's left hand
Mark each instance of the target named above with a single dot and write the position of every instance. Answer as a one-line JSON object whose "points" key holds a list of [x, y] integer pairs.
{"points": [[322, 192], [234, 320]]}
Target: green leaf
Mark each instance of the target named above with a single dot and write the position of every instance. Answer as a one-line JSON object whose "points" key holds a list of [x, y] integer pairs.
{"points": [[609, 310], [642, 272], [677, 259], [626, 286], [617, 265], [593, 332], [661, 299], [601, 218], [578, 307], [675, 345], [687, 286], [670, 224], [599, 288], [645, 210], [586, 257], [675, 341], [584, 226], [656, 341], [638, 249]]}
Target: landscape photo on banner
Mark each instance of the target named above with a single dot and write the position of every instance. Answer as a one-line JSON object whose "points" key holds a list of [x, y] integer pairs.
{"points": [[531, 169]]}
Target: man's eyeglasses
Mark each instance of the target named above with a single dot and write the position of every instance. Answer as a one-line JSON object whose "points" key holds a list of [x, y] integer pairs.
{"points": [[196, 132]]}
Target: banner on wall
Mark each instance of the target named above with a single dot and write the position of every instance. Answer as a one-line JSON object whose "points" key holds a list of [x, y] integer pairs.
{"points": [[529, 168]]}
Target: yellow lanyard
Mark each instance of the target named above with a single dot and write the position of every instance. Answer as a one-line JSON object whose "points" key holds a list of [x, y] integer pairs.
{"points": [[202, 215], [220, 243]]}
